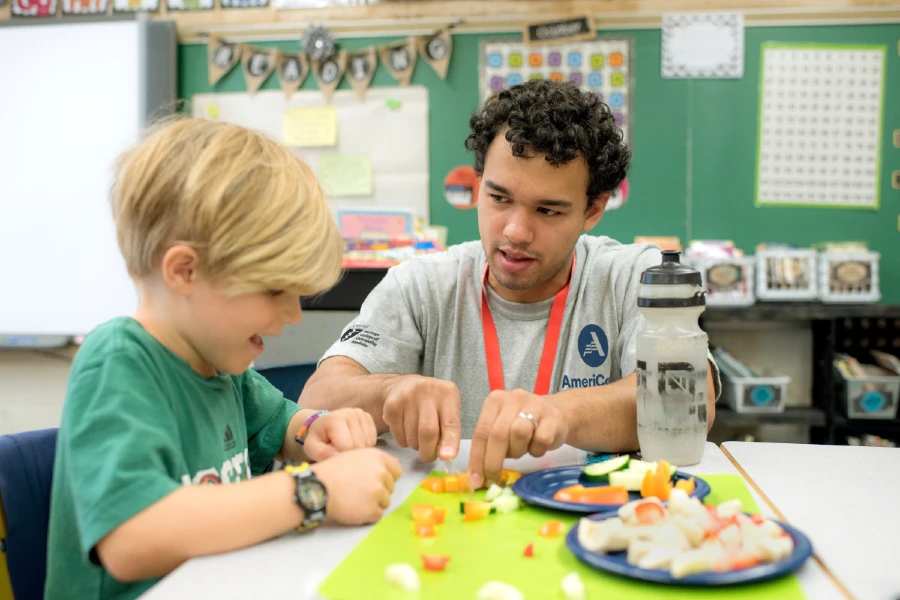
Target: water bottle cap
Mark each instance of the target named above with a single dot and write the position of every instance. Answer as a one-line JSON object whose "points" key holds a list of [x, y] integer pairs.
{"points": [[671, 272], [683, 281]]}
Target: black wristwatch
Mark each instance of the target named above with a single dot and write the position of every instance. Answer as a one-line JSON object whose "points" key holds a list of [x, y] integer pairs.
{"points": [[310, 495]]}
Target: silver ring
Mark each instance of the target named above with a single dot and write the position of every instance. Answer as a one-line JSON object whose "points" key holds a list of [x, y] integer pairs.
{"points": [[530, 417]]}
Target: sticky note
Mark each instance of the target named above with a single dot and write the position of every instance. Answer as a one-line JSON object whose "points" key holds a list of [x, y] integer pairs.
{"points": [[310, 127], [212, 110], [343, 175], [393, 103]]}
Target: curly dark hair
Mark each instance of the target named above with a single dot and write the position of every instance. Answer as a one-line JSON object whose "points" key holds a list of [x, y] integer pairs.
{"points": [[557, 119]]}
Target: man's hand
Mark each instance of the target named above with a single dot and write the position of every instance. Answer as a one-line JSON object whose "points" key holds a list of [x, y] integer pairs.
{"points": [[501, 433], [423, 413], [339, 431]]}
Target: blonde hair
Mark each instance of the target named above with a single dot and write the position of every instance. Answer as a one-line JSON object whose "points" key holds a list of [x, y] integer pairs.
{"points": [[253, 211]]}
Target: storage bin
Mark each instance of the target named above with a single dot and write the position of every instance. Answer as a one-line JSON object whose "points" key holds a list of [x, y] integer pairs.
{"points": [[727, 281], [786, 274], [870, 397], [846, 277]]}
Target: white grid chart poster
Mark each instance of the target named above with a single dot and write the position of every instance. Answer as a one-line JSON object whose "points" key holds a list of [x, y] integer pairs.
{"points": [[820, 125], [602, 66]]}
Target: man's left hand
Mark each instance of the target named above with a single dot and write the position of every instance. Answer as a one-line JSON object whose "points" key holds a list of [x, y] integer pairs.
{"points": [[505, 430]]}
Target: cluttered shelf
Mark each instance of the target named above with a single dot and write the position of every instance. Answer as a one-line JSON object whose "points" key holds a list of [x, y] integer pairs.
{"points": [[800, 415], [798, 311]]}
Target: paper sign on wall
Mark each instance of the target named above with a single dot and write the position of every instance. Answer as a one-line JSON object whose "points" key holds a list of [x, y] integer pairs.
{"points": [[328, 72], [292, 69], [83, 7], [310, 127], [436, 50], [360, 69], [345, 175], [34, 8], [400, 60], [375, 223], [703, 45], [221, 56], [258, 65], [135, 5]]}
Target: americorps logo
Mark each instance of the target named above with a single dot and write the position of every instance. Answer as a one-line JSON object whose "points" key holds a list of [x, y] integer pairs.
{"points": [[593, 345]]}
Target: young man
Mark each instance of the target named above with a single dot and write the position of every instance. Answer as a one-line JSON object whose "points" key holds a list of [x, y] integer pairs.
{"points": [[524, 340], [222, 230]]}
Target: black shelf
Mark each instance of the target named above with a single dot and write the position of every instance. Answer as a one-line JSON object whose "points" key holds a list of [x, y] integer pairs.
{"points": [[880, 427], [798, 311], [796, 415]]}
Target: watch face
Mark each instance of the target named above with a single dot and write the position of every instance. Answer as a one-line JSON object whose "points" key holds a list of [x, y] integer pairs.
{"points": [[312, 495]]}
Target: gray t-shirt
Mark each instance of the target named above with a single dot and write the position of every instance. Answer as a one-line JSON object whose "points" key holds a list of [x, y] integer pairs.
{"points": [[425, 317]]}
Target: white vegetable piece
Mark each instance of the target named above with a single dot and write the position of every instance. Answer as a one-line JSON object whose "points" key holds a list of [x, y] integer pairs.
{"points": [[637, 549], [506, 504], [693, 562], [493, 492], [772, 528], [726, 510], [573, 587], [497, 590], [679, 502], [690, 528], [658, 558], [730, 537], [669, 536], [403, 576], [610, 535]]}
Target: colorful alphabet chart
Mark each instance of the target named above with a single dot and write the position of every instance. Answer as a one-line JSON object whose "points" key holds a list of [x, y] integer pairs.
{"points": [[820, 125], [602, 66]]}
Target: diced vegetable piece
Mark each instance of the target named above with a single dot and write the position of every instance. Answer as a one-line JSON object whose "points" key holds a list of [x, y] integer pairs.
{"points": [[403, 576], [630, 480], [425, 530], [508, 491], [509, 476], [439, 515], [602, 494], [422, 511], [648, 513], [475, 510], [529, 550], [757, 519], [506, 504], [599, 472], [551, 529], [493, 492], [464, 484], [647, 485], [573, 587], [434, 484], [743, 562], [726, 510], [661, 484], [433, 562], [685, 484], [497, 590], [451, 483]]}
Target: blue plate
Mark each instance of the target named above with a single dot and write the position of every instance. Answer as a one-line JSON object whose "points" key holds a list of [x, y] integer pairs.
{"points": [[538, 488], [617, 562]]}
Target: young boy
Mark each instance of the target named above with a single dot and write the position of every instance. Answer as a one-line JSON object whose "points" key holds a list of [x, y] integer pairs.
{"points": [[222, 231]]}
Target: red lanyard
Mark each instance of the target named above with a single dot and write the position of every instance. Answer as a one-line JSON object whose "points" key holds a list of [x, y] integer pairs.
{"points": [[551, 339]]}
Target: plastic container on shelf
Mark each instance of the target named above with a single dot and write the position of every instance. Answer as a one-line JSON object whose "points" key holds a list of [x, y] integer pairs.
{"points": [[786, 274], [749, 391], [848, 277]]}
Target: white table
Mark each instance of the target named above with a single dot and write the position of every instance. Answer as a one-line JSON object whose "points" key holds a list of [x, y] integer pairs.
{"points": [[294, 565], [845, 498]]}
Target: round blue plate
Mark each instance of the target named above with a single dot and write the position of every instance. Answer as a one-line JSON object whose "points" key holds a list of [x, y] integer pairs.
{"points": [[538, 488], [618, 563]]}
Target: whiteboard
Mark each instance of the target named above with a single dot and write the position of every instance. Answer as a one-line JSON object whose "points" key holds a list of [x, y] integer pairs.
{"points": [[395, 138], [64, 119]]}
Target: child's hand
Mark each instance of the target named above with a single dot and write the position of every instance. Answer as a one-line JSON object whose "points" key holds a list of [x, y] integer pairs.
{"points": [[359, 484], [338, 431]]}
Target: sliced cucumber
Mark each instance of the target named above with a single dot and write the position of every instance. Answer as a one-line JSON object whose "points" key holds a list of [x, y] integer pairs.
{"points": [[506, 504], [643, 466], [630, 480], [600, 471], [493, 492]]}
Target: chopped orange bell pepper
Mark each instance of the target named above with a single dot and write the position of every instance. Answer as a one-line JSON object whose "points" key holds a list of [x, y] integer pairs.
{"points": [[647, 485], [424, 530], [434, 484], [475, 510], [509, 476], [551, 529], [601, 494], [438, 515], [422, 511], [661, 484], [685, 484], [451, 483]]}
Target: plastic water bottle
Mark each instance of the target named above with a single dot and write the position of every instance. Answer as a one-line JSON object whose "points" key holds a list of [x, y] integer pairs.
{"points": [[671, 352]]}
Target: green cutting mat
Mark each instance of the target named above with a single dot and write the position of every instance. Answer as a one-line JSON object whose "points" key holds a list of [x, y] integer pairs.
{"points": [[492, 549]]}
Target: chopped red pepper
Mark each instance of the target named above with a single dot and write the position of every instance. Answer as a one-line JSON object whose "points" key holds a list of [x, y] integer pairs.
{"points": [[434, 563], [757, 519], [649, 512], [529, 550]]}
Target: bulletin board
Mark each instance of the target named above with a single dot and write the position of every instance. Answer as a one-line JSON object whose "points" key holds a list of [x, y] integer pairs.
{"points": [[602, 66], [820, 123], [367, 154]]}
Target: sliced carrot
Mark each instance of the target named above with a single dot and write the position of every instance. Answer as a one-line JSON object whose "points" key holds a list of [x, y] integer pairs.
{"points": [[434, 563], [529, 551], [685, 484], [475, 510], [439, 514], [648, 512], [451, 483], [434, 484], [551, 529], [744, 562], [568, 494], [424, 530]]}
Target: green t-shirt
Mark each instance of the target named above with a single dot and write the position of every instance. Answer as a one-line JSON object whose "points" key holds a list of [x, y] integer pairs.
{"points": [[138, 423]]}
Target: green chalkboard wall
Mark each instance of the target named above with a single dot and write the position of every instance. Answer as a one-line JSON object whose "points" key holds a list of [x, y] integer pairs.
{"points": [[685, 133]]}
